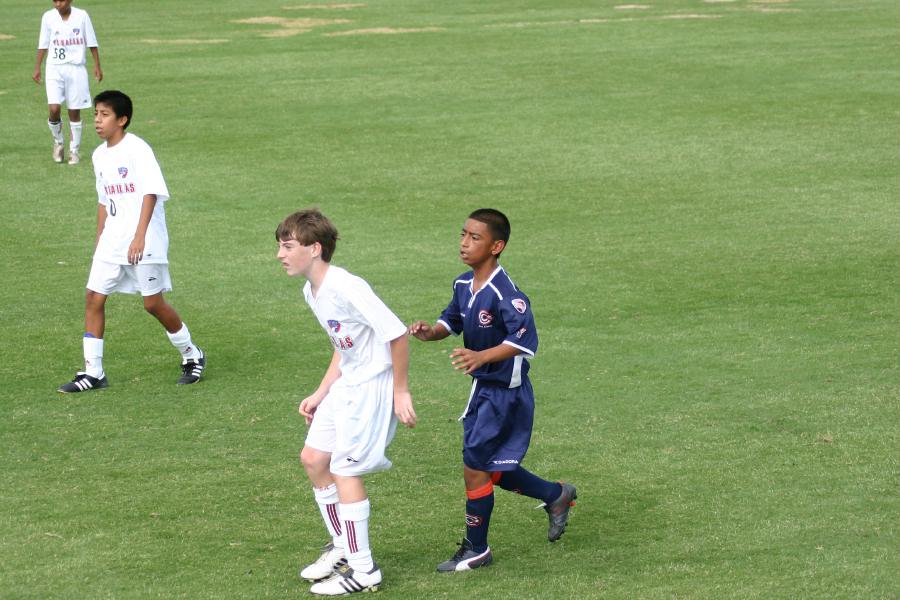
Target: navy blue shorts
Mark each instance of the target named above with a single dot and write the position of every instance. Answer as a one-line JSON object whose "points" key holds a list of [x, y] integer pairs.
{"points": [[497, 427]]}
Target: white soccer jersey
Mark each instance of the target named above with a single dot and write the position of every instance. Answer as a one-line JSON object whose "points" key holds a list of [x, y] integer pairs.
{"points": [[126, 173], [358, 323], [66, 41]]}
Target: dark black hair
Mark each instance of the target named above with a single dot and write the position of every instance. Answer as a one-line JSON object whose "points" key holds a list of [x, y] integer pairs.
{"points": [[118, 101], [496, 221]]}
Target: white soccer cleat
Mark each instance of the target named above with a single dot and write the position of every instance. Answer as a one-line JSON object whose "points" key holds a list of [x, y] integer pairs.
{"points": [[74, 158], [347, 581], [325, 566], [57, 152]]}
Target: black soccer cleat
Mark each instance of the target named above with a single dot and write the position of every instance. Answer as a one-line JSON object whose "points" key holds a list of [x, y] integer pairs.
{"points": [[82, 383], [192, 369], [558, 511], [466, 559]]}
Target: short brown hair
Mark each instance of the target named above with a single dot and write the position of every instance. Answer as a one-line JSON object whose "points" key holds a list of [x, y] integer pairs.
{"points": [[309, 226]]}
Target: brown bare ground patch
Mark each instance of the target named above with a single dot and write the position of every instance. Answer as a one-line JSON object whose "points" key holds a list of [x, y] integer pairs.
{"points": [[769, 1], [527, 24], [691, 16], [386, 31], [324, 7], [718, 1], [632, 7], [768, 9], [289, 27], [6, 36], [184, 42]]}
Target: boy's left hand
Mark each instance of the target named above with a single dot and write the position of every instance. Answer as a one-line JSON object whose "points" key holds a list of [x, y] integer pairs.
{"points": [[136, 251], [466, 360], [403, 408]]}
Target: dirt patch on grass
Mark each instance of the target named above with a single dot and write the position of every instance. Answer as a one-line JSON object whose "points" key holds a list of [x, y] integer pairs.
{"points": [[632, 7], [183, 42], [289, 27], [6, 36], [324, 7], [691, 16], [386, 31]]}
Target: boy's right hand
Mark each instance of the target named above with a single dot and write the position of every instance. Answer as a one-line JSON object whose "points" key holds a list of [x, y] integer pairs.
{"points": [[37, 75], [421, 330], [308, 407]]}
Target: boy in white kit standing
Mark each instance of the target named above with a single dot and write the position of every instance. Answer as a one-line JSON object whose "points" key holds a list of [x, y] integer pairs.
{"points": [[354, 412], [66, 36], [132, 244]]}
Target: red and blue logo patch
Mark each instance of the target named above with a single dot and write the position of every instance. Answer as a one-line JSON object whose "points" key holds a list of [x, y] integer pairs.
{"points": [[335, 326], [123, 171]]}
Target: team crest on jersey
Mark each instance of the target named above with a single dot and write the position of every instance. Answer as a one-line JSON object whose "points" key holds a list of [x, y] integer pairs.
{"points": [[519, 305], [485, 318], [76, 31], [123, 171], [335, 326]]}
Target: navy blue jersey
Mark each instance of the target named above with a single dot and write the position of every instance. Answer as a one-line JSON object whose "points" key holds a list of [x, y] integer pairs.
{"points": [[498, 313]]}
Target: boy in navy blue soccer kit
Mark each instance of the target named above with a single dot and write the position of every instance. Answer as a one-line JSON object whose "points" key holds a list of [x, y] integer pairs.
{"points": [[499, 336]]}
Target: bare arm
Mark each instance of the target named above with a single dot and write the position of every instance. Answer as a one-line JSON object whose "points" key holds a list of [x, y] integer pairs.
{"points": [[403, 406], [332, 373], [101, 222], [426, 332], [136, 249], [41, 53], [98, 72], [470, 360]]}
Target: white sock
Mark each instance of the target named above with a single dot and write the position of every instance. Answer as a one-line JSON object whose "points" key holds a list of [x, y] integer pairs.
{"points": [[75, 142], [56, 131], [327, 499], [93, 356], [181, 339], [355, 518]]}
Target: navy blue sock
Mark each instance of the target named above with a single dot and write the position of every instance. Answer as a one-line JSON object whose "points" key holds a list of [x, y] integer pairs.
{"points": [[478, 517], [524, 482]]}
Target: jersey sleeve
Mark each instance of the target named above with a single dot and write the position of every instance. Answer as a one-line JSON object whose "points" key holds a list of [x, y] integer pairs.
{"points": [[44, 37], [98, 183], [374, 312], [90, 38], [151, 177], [451, 318], [519, 322]]}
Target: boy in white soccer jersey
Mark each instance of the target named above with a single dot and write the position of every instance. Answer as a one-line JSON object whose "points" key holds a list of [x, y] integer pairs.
{"points": [[132, 242], [353, 414], [66, 35]]}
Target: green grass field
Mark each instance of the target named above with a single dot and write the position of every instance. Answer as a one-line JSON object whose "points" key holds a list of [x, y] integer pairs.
{"points": [[704, 199]]}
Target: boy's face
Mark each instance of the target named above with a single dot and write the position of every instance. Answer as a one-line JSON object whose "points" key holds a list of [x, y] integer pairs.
{"points": [[106, 123], [477, 245], [297, 258], [63, 7]]}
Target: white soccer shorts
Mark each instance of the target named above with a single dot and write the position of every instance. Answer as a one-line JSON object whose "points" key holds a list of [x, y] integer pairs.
{"points": [[355, 424], [148, 279], [68, 84]]}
